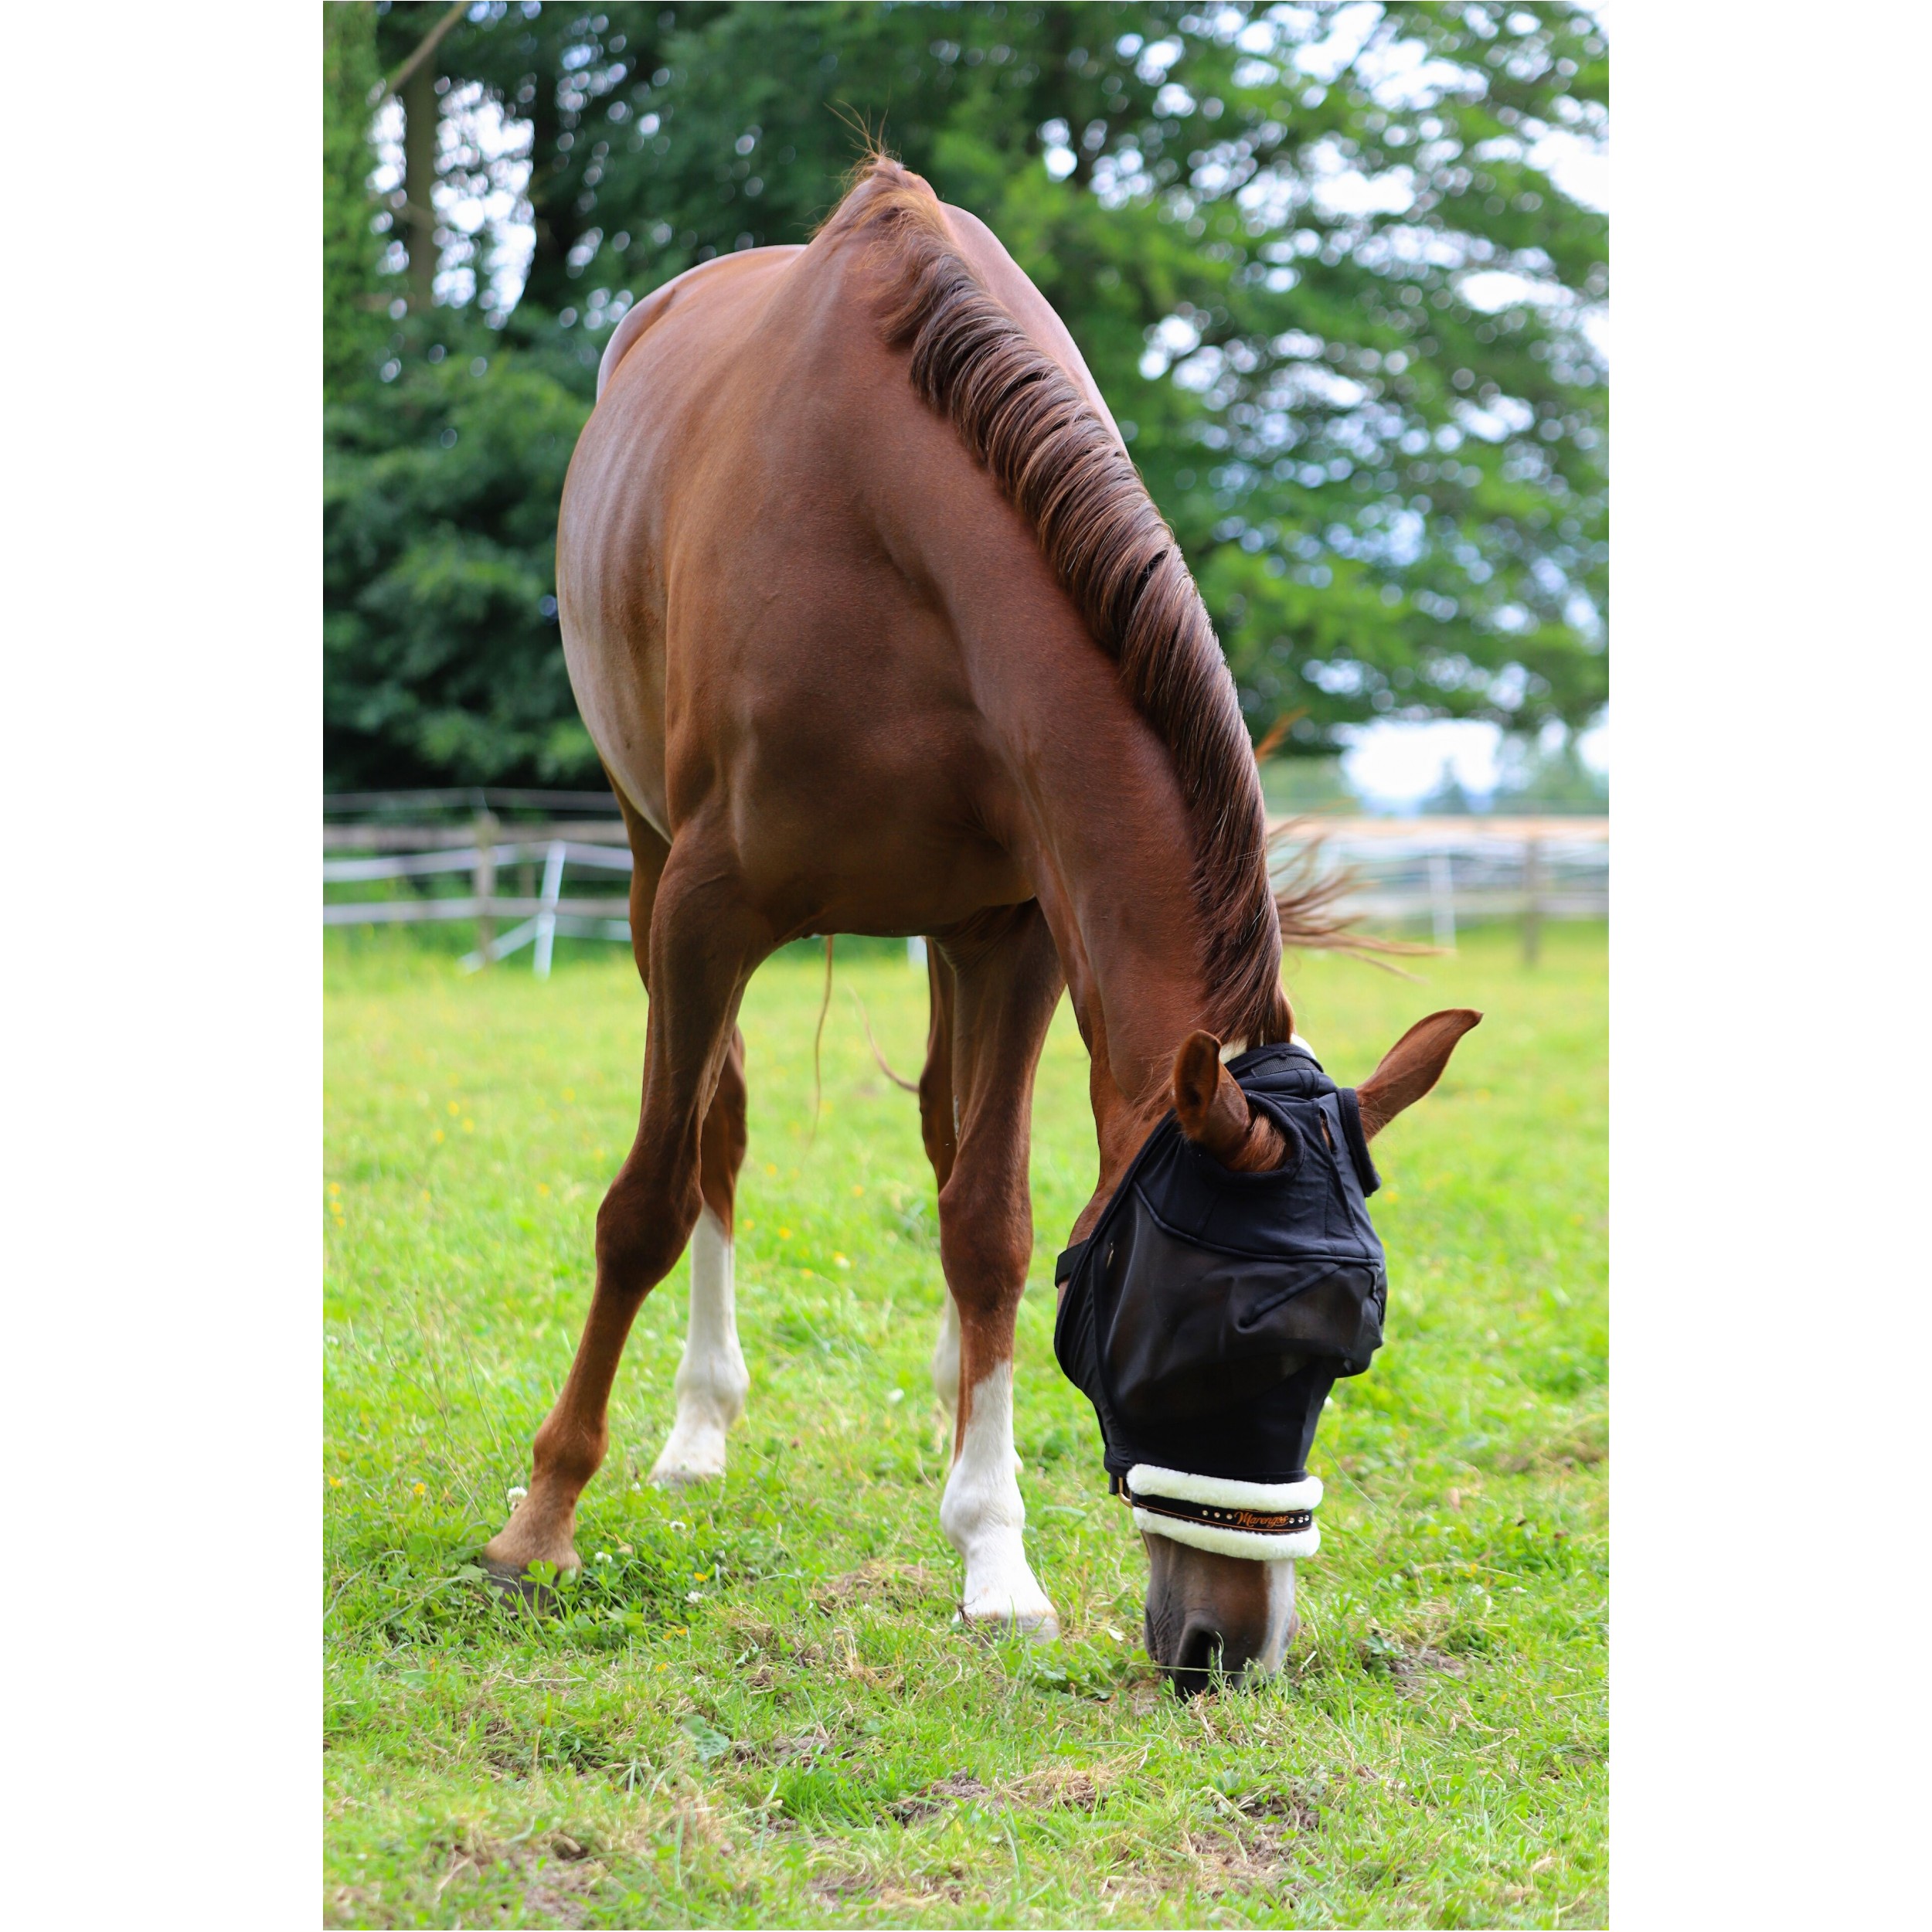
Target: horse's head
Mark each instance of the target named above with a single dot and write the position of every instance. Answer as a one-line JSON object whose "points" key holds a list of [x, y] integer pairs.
{"points": [[1232, 1278]]}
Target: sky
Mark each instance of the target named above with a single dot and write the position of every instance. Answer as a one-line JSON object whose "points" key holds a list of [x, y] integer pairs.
{"points": [[1394, 765]]}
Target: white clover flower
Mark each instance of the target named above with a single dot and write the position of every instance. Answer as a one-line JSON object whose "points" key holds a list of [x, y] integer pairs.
{"points": [[513, 1496]]}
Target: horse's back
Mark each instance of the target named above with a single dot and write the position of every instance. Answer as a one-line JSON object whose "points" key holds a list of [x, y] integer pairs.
{"points": [[665, 377], [750, 629]]}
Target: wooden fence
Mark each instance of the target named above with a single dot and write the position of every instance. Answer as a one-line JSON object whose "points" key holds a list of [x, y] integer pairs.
{"points": [[1440, 872]]}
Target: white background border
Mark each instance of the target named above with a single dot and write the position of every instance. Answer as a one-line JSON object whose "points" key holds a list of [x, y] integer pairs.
{"points": [[161, 1251]]}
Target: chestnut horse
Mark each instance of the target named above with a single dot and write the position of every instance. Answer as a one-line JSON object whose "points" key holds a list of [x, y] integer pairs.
{"points": [[877, 630]]}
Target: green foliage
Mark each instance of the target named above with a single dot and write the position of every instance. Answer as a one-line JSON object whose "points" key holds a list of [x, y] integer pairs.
{"points": [[352, 332], [440, 494], [1384, 458], [754, 1706]]}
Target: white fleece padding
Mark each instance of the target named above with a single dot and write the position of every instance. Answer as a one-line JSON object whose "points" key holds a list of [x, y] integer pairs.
{"points": [[1147, 1479], [1250, 1544], [1236, 1047]]}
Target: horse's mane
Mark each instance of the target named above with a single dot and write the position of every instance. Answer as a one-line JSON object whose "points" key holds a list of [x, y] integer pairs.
{"points": [[1060, 465]]}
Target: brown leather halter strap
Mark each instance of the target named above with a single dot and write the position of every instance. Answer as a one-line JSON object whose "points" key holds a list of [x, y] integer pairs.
{"points": [[1266, 1523]]}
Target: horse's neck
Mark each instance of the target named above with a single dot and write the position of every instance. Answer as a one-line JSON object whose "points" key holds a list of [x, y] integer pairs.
{"points": [[1110, 846]]}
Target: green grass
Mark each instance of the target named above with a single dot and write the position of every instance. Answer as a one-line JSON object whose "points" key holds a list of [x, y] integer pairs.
{"points": [[758, 1709]]}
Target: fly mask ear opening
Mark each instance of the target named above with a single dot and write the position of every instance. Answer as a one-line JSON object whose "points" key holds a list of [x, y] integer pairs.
{"points": [[1411, 1067], [1217, 1116]]}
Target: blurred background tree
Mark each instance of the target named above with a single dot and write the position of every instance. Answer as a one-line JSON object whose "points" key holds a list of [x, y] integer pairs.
{"points": [[1314, 255]]}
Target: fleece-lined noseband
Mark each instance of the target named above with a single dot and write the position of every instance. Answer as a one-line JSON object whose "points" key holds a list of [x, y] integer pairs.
{"points": [[1209, 1313]]}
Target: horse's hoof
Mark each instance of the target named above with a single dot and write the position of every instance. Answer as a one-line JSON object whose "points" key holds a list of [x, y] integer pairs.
{"points": [[695, 1454], [1038, 1626], [668, 1477], [513, 1583]]}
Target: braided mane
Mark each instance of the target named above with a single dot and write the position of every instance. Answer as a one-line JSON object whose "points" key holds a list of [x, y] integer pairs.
{"points": [[1059, 464]]}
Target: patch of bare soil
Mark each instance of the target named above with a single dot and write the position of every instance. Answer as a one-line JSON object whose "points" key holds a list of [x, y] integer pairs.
{"points": [[1580, 1446], [896, 1586], [803, 1746], [842, 1888], [1068, 1787], [559, 1872], [923, 1890], [1413, 1665], [1258, 1847], [1290, 1808], [958, 1789]]}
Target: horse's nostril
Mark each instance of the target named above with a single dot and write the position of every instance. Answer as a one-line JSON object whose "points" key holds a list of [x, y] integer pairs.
{"points": [[1201, 1650]]}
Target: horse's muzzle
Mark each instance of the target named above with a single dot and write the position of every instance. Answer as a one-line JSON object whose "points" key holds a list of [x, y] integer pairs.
{"points": [[1212, 1619]]}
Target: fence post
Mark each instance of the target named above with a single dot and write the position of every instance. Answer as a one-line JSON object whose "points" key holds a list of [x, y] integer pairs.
{"points": [[546, 914], [1442, 899], [1533, 900], [483, 882]]}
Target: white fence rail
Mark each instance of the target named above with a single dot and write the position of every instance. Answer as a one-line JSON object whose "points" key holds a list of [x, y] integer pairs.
{"points": [[1461, 871], [1441, 873], [543, 916]]}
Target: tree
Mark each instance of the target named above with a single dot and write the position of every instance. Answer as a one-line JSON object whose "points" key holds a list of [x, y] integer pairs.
{"points": [[1312, 254], [351, 334]]}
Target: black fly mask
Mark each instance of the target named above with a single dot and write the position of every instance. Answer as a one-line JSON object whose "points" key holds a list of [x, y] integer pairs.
{"points": [[1209, 1313]]}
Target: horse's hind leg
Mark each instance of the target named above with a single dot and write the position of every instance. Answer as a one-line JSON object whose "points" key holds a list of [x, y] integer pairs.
{"points": [[1007, 980], [712, 1380], [703, 944], [939, 1127]]}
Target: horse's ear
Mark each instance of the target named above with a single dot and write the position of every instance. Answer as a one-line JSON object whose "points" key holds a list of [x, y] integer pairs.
{"points": [[1411, 1067], [1215, 1114], [1208, 1100]]}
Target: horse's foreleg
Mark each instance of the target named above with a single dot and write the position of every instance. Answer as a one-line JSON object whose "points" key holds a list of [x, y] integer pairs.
{"points": [[1008, 985], [712, 1380], [703, 944]]}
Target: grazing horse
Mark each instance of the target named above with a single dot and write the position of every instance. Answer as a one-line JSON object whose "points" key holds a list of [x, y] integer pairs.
{"points": [[877, 630]]}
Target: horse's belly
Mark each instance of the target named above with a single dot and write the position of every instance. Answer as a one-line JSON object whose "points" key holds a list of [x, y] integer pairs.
{"points": [[619, 688]]}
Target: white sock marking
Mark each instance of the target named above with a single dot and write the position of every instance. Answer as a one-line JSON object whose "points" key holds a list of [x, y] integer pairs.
{"points": [[983, 1516], [712, 1379]]}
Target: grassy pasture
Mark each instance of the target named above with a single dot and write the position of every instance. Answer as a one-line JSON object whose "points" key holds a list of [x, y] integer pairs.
{"points": [[758, 1709]]}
